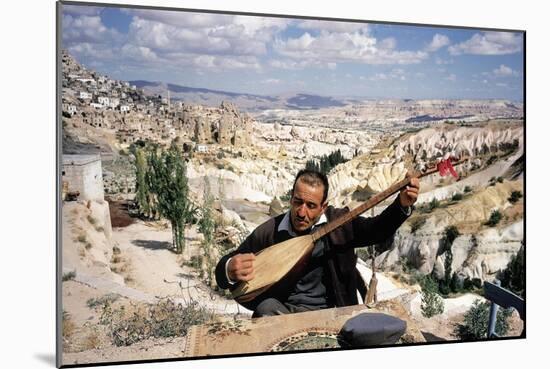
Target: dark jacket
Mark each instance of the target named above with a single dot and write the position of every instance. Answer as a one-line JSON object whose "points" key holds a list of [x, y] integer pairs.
{"points": [[340, 266]]}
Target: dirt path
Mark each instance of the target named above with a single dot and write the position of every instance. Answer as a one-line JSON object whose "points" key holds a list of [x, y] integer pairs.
{"points": [[149, 265]]}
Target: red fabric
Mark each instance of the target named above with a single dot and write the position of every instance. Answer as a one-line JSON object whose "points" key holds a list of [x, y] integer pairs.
{"points": [[445, 167]]}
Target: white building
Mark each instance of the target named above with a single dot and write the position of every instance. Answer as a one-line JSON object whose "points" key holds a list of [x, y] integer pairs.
{"points": [[202, 148], [71, 109], [124, 108], [114, 103], [89, 81], [85, 95], [83, 173], [103, 100], [97, 106]]}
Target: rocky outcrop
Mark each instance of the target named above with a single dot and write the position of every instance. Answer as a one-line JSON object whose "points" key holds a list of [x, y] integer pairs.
{"points": [[479, 252], [203, 131], [434, 143], [225, 130]]}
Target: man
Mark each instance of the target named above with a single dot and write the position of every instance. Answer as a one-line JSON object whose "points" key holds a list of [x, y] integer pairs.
{"points": [[330, 278]]}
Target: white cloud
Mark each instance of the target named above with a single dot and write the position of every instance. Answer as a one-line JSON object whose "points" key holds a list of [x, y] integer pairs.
{"points": [[451, 77], [505, 71], [87, 29], [438, 41], [379, 77], [332, 26], [139, 53], [388, 43], [175, 39], [489, 43], [440, 61], [345, 47], [78, 10], [180, 19], [395, 74]]}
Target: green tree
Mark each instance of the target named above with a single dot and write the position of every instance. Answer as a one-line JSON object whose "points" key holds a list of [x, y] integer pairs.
{"points": [[450, 234], [495, 217], [445, 284], [168, 181], [515, 196], [312, 165], [326, 162], [433, 204], [207, 226], [456, 284], [144, 198], [513, 277], [431, 303], [476, 322]]}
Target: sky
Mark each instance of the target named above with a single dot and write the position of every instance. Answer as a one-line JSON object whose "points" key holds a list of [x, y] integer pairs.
{"points": [[273, 55]]}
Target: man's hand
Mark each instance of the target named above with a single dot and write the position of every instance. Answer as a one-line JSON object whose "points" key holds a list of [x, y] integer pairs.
{"points": [[241, 267], [409, 194]]}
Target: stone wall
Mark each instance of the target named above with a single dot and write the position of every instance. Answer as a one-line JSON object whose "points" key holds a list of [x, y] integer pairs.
{"points": [[83, 174]]}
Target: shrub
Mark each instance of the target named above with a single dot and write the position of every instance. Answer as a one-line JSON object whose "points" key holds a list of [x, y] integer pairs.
{"points": [[417, 223], [81, 238], [467, 189], [163, 319], [68, 326], [457, 197], [68, 276], [472, 284], [476, 322], [432, 304], [513, 277], [433, 204], [515, 196], [496, 216], [451, 233], [101, 301]]}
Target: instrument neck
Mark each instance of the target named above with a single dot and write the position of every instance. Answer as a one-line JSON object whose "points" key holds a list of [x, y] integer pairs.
{"points": [[373, 201]]}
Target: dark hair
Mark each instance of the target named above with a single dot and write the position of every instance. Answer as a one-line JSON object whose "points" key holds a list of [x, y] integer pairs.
{"points": [[312, 178]]}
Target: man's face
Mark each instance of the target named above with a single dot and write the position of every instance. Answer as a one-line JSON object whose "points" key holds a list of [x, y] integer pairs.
{"points": [[306, 206]]}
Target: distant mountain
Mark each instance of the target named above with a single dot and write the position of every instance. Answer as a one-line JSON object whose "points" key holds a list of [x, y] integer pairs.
{"points": [[301, 101], [244, 101]]}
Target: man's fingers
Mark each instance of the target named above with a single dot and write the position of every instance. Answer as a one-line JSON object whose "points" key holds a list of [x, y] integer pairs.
{"points": [[246, 257], [244, 271], [245, 275], [248, 277], [411, 190], [245, 264]]}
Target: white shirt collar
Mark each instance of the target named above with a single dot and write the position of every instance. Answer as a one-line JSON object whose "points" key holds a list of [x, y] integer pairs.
{"points": [[285, 224]]}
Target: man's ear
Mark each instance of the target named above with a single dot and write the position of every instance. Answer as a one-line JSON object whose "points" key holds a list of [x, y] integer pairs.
{"points": [[324, 207]]}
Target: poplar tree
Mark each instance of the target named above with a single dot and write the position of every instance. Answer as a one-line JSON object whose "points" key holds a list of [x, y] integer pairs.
{"points": [[167, 178]]}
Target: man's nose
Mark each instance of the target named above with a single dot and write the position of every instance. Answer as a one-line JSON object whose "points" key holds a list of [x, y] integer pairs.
{"points": [[302, 211]]}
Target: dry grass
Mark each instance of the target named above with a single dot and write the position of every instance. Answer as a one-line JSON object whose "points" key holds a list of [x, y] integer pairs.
{"points": [[91, 341], [131, 324], [68, 326]]}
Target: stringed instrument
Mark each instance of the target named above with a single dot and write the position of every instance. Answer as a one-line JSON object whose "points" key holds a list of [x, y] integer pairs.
{"points": [[278, 266]]}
